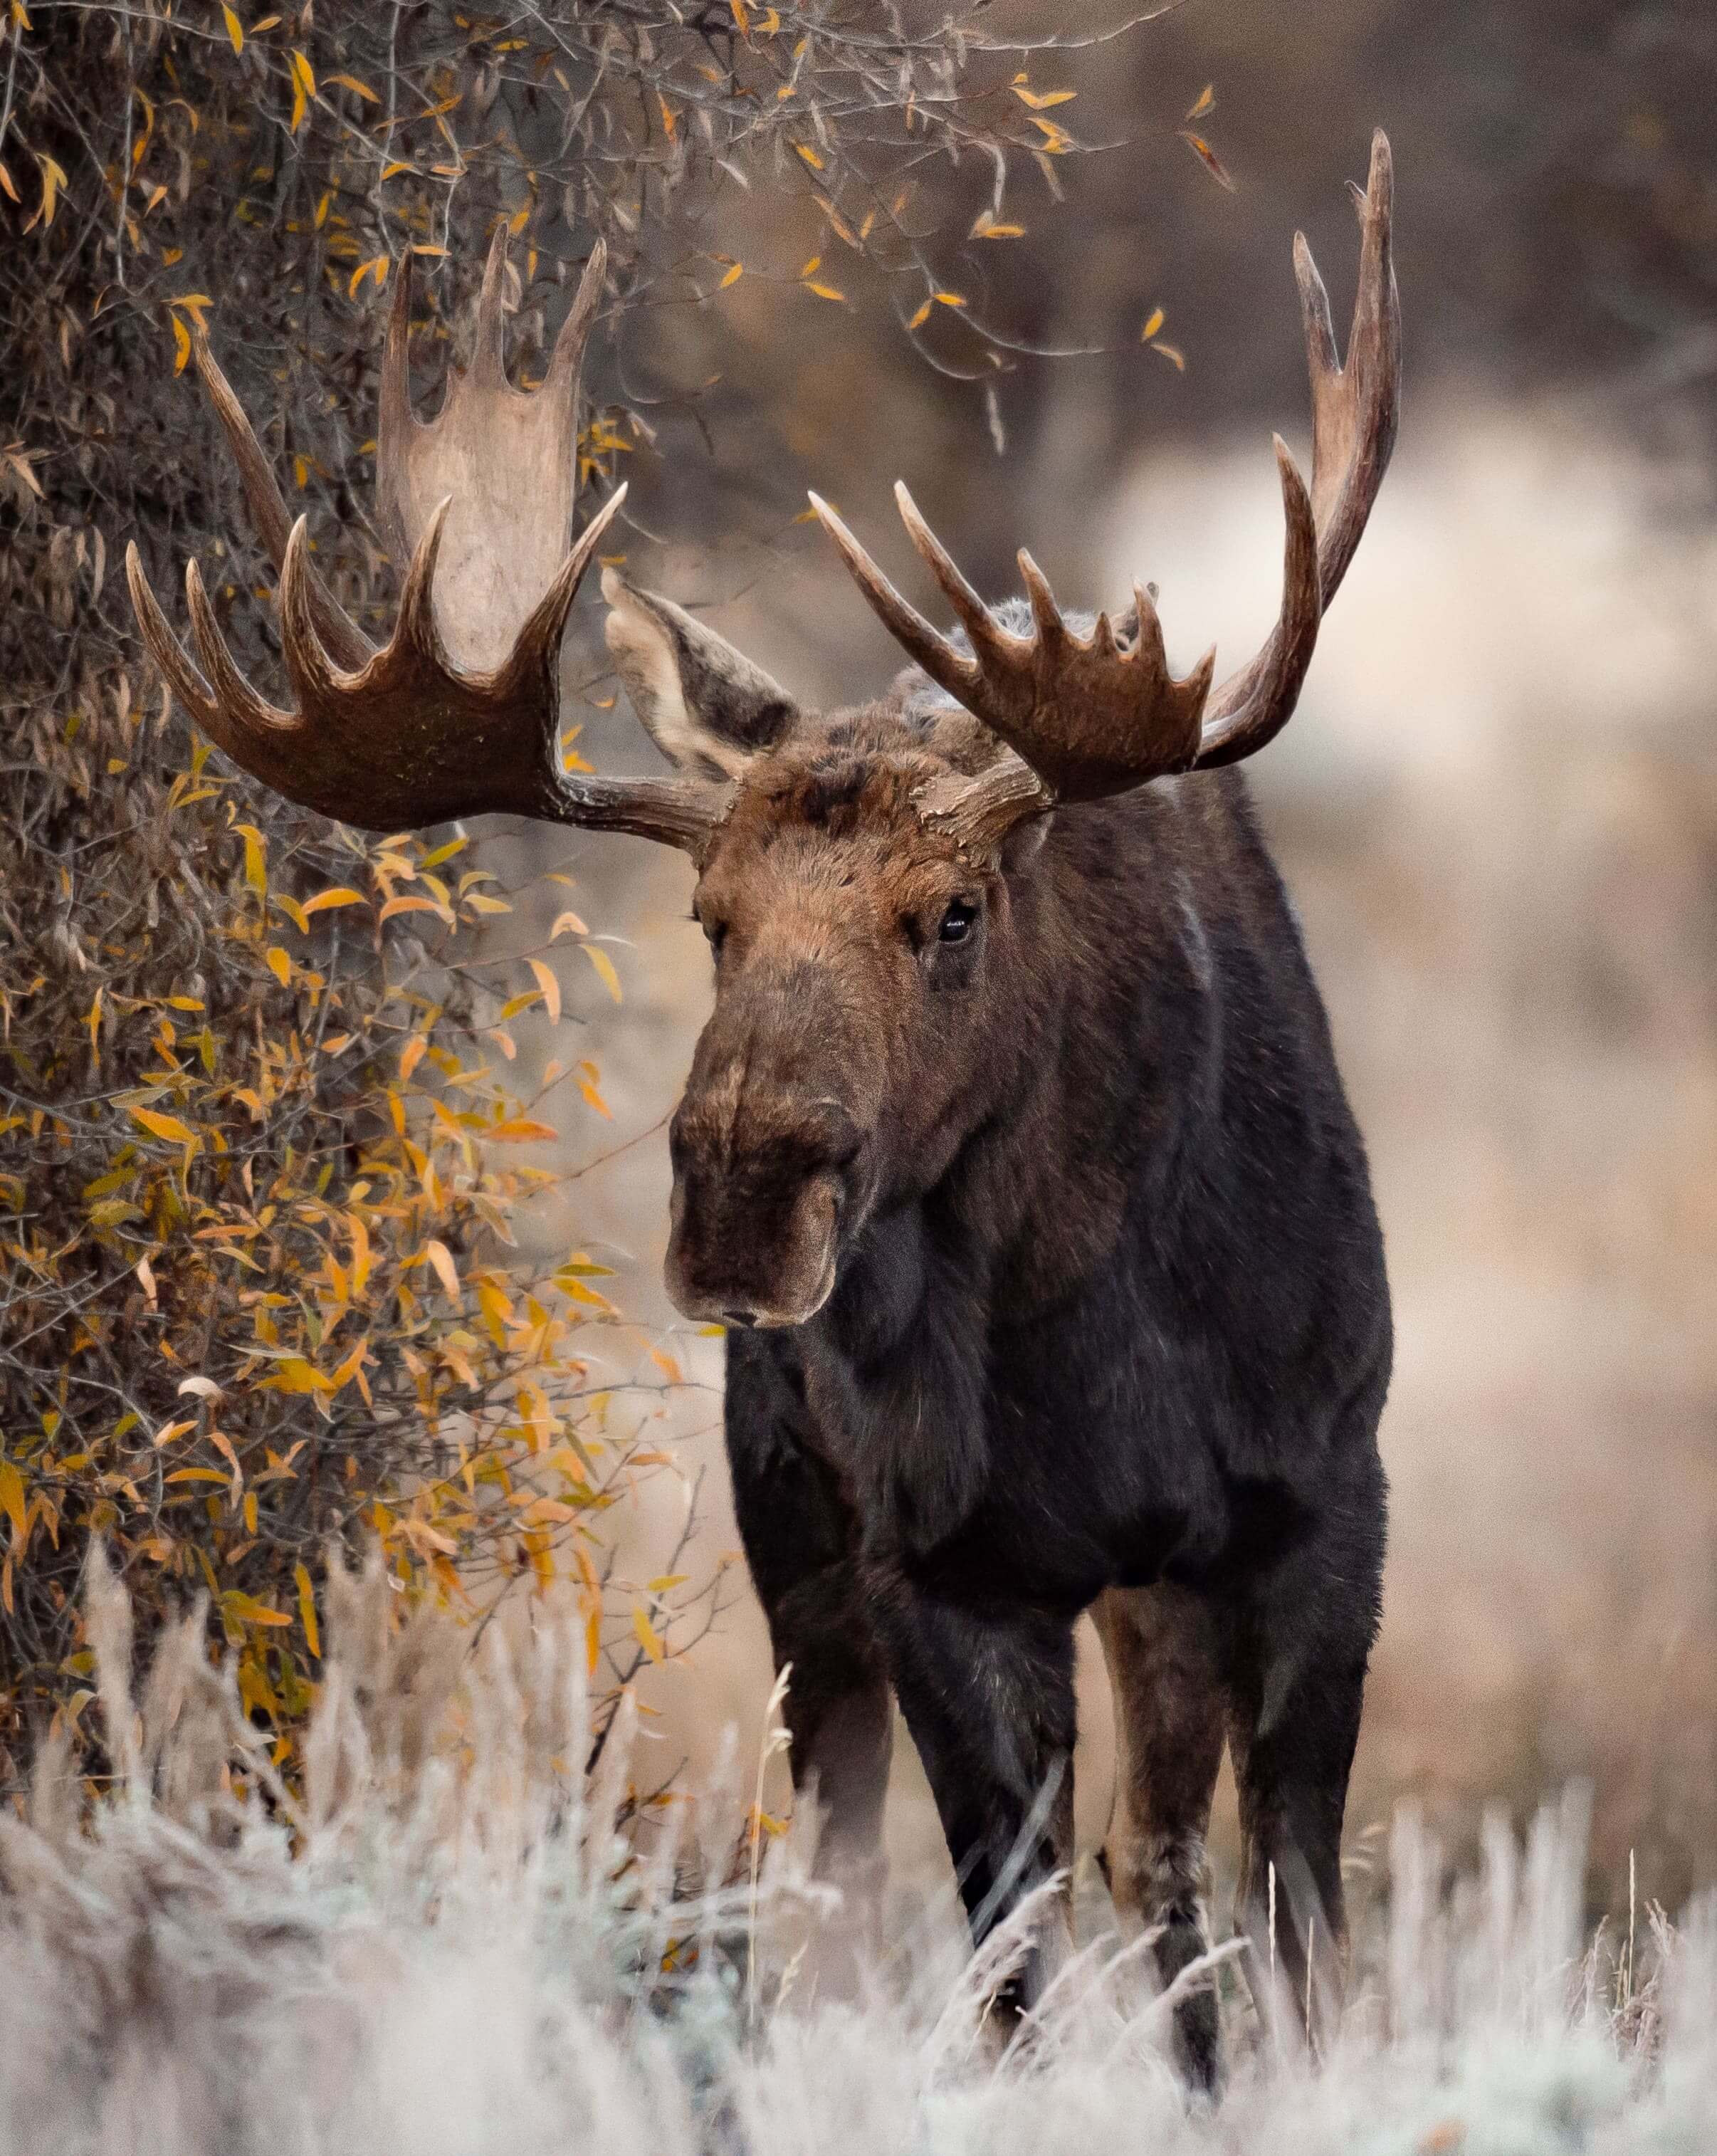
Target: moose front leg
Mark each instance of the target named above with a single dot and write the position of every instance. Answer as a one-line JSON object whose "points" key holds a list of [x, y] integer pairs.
{"points": [[988, 1699], [799, 1539]]}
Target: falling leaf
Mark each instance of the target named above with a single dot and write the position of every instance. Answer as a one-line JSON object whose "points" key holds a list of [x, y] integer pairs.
{"points": [[1152, 326], [605, 968], [1218, 170], [1204, 102]]}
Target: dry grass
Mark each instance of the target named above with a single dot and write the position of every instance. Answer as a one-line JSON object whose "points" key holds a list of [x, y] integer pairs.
{"points": [[455, 1941]]}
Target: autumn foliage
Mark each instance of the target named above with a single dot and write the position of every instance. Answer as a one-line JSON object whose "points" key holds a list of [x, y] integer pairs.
{"points": [[264, 1137]]}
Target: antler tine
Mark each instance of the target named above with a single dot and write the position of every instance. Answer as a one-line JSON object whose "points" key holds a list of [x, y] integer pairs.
{"points": [[1354, 418], [566, 361], [1355, 405], [165, 648], [1255, 705], [488, 366], [947, 667], [538, 649], [268, 506], [234, 699], [979, 624]]}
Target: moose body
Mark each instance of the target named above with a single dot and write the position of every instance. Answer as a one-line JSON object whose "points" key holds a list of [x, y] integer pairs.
{"points": [[1014, 1157], [1115, 1332]]}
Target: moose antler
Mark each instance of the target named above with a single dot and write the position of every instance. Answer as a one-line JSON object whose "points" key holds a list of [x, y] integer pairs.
{"points": [[1088, 716], [458, 714]]}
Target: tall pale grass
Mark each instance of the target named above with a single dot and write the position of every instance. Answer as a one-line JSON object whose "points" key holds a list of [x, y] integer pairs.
{"points": [[451, 1939]]}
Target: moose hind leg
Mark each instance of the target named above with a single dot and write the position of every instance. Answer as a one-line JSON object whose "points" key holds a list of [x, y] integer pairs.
{"points": [[1170, 1709], [1300, 1648]]}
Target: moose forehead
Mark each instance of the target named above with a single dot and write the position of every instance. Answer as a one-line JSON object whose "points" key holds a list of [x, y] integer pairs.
{"points": [[834, 810]]}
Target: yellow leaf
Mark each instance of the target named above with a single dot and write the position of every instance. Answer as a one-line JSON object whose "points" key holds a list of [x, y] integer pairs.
{"points": [[410, 1056], [7, 185], [950, 299], [247, 1608], [605, 968], [568, 924], [647, 1636], [809, 154], [52, 179], [1152, 326], [340, 894], [587, 1087], [828, 291], [166, 1126], [307, 1609], [294, 1374], [181, 345], [742, 16], [441, 1258], [351, 82], [550, 987], [520, 1129], [1204, 102], [235, 29], [256, 868], [11, 1500], [294, 912], [666, 1364], [452, 846], [303, 74], [279, 964], [988, 228], [1041, 101], [480, 901], [733, 276]]}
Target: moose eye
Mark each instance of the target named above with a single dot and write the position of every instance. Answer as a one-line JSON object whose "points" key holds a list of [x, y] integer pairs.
{"points": [[957, 922]]}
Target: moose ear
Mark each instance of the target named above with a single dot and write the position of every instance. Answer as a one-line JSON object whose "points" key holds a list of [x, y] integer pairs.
{"points": [[704, 705]]}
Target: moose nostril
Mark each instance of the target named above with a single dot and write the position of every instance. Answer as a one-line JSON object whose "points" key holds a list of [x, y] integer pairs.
{"points": [[742, 1319]]}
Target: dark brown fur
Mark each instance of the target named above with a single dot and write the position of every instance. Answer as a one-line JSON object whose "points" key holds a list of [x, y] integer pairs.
{"points": [[1053, 1282]]}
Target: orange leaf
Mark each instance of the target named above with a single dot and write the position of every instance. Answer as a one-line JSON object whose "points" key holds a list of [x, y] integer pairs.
{"points": [[1212, 163], [518, 1130], [341, 895], [441, 1258]]}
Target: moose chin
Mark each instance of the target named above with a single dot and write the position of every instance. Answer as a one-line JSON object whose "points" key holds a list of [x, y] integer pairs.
{"points": [[1013, 1158]]}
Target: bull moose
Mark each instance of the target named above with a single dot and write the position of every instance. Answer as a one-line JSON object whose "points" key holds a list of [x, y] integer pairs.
{"points": [[1014, 1159]]}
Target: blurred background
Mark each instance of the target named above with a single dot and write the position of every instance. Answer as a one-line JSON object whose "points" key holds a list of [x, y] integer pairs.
{"points": [[1496, 807]]}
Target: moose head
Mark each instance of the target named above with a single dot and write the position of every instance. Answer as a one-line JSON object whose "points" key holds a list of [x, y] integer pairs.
{"points": [[874, 882]]}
